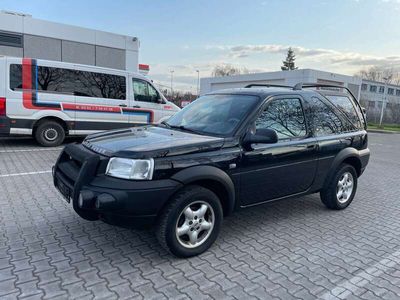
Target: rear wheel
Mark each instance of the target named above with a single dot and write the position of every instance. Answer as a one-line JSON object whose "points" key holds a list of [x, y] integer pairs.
{"points": [[50, 133], [339, 192], [191, 222]]}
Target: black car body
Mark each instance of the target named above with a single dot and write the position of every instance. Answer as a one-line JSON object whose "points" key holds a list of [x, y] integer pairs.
{"points": [[250, 165]]}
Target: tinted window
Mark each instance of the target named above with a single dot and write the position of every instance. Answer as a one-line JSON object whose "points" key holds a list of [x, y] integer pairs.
{"points": [[100, 85], [73, 82], [214, 114], [322, 118], [285, 116], [143, 91], [347, 106], [15, 77]]}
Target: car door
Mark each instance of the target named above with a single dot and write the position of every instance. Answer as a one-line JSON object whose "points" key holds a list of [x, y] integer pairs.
{"points": [[148, 104], [288, 167]]}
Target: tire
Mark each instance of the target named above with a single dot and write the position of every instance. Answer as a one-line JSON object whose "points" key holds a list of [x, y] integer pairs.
{"points": [[339, 192], [50, 134], [192, 200]]}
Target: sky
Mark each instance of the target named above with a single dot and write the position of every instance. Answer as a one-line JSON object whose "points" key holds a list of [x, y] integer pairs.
{"points": [[342, 36]]}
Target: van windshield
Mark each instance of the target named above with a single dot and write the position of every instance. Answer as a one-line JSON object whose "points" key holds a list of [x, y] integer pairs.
{"points": [[214, 114]]}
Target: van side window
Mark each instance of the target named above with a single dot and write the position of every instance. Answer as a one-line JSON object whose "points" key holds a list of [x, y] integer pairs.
{"points": [[15, 77], [323, 119], [72, 82], [285, 116], [143, 91]]}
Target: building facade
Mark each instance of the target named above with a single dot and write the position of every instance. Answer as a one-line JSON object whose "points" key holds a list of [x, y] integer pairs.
{"points": [[24, 36], [289, 78], [374, 94], [371, 94]]}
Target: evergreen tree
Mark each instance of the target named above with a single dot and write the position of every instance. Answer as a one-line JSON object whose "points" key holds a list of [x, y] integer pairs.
{"points": [[288, 63]]}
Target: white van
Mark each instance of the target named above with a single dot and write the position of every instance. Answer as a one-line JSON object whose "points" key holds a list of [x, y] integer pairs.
{"points": [[50, 100]]}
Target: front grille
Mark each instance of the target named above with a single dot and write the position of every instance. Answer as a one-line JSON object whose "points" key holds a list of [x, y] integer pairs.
{"points": [[76, 166]]}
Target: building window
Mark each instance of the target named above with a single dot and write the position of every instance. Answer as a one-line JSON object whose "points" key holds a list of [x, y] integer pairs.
{"points": [[390, 91], [371, 104], [397, 92], [11, 39], [372, 88], [364, 87], [381, 89]]}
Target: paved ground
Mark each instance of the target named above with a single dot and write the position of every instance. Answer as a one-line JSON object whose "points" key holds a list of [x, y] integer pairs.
{"points": [[291, 249]]}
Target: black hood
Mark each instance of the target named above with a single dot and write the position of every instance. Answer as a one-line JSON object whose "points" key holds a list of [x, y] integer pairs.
{"points": [[150, 141]]}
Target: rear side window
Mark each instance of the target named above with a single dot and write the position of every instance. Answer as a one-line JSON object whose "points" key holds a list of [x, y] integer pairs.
{"points": [[285, 116], [143, 91], [72, 82], [323, 119], [345, 104]]}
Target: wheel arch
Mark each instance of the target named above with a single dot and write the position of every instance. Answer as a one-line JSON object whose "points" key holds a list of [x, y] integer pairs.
{"points": [[213, 179], [349, 156], [50, 118]]}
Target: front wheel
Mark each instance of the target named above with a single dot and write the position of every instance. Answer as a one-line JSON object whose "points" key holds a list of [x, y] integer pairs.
{"points": [[339, 192], [191, 222]]}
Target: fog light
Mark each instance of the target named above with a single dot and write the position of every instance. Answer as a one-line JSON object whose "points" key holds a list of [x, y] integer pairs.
{"points": [[105, 202], [86, 199]]}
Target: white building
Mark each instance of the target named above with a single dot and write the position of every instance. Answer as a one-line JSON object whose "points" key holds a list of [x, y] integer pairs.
{"points": [[371, 94], [24, 36]]}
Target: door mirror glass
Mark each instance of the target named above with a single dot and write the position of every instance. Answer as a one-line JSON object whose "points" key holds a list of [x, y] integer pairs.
{"points": [[261, 136]]}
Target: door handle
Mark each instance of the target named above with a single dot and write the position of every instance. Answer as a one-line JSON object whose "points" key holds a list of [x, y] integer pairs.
{"points": [[122, 105], [136, 106], [312, 146]]}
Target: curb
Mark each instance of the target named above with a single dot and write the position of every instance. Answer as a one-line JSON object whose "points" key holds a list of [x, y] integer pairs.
{"points": [[383, 131]]}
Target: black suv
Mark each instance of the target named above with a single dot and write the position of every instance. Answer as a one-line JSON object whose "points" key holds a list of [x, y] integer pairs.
{"points": [[227, 150]]}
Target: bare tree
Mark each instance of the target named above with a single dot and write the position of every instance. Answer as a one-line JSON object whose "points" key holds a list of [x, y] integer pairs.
{"points": [[228, 70], [379, 73]]}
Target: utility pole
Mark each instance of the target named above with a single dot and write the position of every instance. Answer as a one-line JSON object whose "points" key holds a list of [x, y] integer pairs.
{"points": [[386, 79], [172, 80], [198, 83]]}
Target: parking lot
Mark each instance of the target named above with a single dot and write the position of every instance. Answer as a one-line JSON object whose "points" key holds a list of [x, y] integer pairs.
{"points": [[286, 250]]}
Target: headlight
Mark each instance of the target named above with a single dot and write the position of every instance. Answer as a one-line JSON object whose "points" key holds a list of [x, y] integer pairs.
{"points": [[136, 169]]}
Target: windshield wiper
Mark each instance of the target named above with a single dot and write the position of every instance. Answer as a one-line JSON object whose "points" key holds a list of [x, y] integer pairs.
{"points": [[165, 124], [181, 127]]}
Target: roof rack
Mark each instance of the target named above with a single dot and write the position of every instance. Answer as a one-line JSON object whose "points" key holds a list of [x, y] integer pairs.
{"points": [[302, 85], [267, 85]]}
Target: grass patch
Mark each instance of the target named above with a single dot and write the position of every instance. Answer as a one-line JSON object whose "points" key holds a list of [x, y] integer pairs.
{"points": [[389, 127]]}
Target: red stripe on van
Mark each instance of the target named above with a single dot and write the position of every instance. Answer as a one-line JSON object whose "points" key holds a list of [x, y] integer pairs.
{"points": [[92, 108], [2, 106], [27, 83]]}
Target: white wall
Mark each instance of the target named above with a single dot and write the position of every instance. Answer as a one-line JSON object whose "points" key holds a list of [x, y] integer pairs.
{"points": [[52, 33], [289, 78]]}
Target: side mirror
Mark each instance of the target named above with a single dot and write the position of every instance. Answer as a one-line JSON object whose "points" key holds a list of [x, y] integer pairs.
{"points": [[160, 101], [262, 136]]}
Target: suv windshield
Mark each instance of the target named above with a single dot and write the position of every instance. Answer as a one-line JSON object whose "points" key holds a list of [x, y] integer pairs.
{"points": [[214, 114]]}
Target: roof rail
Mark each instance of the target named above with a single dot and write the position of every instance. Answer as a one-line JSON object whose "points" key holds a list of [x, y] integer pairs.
{"points": [[301, 86], [267, 85]]}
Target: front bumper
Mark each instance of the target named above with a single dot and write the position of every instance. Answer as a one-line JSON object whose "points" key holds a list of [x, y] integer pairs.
{"points": [[116, 201]]}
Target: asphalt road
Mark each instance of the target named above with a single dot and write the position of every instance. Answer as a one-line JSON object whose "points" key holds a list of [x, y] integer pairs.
{"points": [[290, 249]]}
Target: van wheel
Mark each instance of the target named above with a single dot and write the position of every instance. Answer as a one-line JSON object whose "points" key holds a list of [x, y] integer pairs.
{"points": [[341, 188], [50, 134], [191, 222]]}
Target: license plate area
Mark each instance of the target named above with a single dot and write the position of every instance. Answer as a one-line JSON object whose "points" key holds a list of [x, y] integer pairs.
{"points": [[64, 190]]}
